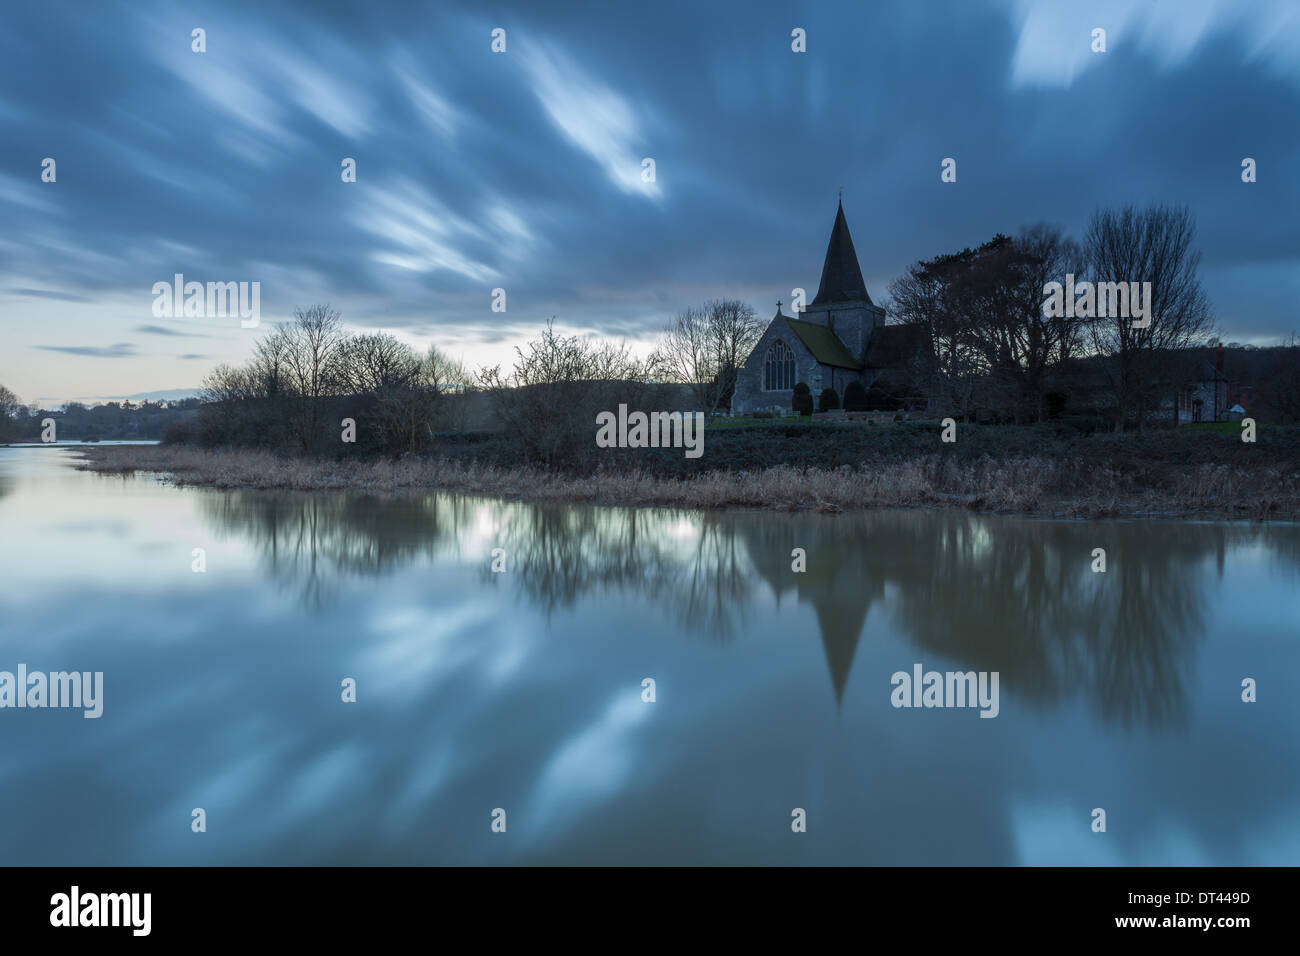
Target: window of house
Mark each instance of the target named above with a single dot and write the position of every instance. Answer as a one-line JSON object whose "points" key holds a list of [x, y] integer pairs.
{"points": [[778, 369]]}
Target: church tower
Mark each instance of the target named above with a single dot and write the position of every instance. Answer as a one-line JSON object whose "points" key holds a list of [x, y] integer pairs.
{"points": [[842, 303]]}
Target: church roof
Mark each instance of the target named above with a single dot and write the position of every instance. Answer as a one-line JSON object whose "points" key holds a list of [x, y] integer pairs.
{"points": [[824, 344], [841, 276]]}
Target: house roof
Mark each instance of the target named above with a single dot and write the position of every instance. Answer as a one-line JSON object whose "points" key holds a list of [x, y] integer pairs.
{"points": [[1205, 372], [824, 344], [892, 346], [841, 275]]}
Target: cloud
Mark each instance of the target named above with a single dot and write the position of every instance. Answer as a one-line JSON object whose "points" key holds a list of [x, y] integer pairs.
{"points": [[1054, 45], [592, 117], [164, 330], [422, 234], [120, 350], [523, 170], [432, 106], [51, 294]]}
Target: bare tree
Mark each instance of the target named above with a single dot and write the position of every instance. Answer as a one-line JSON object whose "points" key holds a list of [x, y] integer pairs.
{"points": [[269, 367], [1153, 245], [310, 356], [557, 384], [1284, 380], [10, 408], [227, 384], [444, 374], [1001, 291], [929, 295], [734, 329], [374, 362], [447, 385], [686, 355], [705, 346]]}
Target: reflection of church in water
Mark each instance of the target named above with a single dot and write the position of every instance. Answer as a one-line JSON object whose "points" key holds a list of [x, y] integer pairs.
{"points": [[984, 594], [839, 583]]}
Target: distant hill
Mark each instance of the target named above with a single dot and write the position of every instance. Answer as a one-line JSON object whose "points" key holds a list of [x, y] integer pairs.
{"points": [[109, 421], [161, 395]]}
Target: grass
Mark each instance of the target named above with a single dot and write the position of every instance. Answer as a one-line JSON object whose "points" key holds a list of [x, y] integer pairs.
{"points": [[1095, 483], [744, 421]]}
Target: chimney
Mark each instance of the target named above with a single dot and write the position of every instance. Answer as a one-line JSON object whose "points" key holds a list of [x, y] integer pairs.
{"points": [[1218, 360]]}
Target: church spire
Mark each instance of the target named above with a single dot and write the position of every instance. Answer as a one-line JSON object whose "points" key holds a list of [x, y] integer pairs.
{"points": [[841, 276]]}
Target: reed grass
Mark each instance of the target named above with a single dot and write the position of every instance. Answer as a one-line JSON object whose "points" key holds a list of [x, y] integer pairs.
{"points": [[1034, 485]]}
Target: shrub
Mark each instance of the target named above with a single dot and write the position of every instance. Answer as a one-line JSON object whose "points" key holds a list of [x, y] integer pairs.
{"points": [[855, 397], [802, 401], [182, 432], [881, 399], [829, 401], [1085, 424]]}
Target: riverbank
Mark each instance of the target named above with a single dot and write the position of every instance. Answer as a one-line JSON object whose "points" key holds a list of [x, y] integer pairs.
{"points": [[1091, 483]]}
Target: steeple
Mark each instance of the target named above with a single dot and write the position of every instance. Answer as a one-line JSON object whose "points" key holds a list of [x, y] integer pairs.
{"points": [[841, 276]]}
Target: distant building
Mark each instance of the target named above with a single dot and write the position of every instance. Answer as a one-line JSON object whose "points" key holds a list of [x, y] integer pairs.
{"points": [[839, 338], [1185, 388], [1203, 397]]}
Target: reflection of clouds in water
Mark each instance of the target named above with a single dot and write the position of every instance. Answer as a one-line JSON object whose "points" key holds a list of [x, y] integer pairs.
{"points": [[1046, 834], [236, 790], [482, 531], [417, 791], [307, 791], [481, 690], [591, 766], [982, 592], [413, 651]]}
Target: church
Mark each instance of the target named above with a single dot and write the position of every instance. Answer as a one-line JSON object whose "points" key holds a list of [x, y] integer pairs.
{"points": [[840, 337]]}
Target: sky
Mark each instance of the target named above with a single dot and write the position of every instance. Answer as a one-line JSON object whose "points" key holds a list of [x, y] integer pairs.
{"points": [[524, 170]]}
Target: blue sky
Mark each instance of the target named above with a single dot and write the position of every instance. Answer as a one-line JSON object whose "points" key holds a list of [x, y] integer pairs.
{"points": [[522, 170]]}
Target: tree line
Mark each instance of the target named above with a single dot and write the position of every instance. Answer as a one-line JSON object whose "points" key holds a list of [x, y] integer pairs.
{"points": [[306, 376], [77, 421], [994, 345], [990, 345]]}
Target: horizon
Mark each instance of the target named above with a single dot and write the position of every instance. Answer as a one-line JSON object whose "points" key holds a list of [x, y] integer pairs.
{"points": [[522, 170]]}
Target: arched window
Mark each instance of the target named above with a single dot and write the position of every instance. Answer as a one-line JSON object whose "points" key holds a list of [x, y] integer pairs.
{"points": [[778, 369]]}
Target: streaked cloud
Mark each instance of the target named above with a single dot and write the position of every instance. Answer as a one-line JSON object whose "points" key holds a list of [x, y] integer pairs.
{"points": [[522, 170], [50, 294], [120, 350], [592, 117], [164, 330]]}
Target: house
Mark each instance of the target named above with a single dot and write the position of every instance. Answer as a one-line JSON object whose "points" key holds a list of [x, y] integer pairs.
{"points": [[1203, 397], [838, 338], [1184, 386]]}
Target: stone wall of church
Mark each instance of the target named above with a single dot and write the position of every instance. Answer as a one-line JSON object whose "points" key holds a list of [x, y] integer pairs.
{"points": [[851, 322], [750, 395]]}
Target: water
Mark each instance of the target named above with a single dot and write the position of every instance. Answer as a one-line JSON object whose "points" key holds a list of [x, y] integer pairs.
{"points": [[523, 690]]}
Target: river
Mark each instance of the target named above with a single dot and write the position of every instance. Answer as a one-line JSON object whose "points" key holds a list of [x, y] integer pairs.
{"points": [[518, 698]]}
